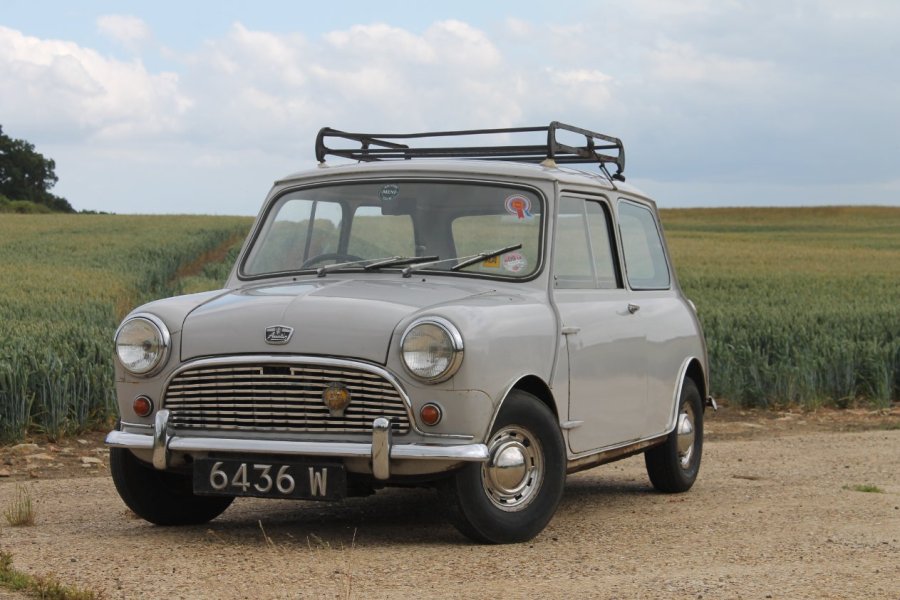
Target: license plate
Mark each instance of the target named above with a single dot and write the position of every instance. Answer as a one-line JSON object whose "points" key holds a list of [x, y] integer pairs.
{"points": [[264, 479]]}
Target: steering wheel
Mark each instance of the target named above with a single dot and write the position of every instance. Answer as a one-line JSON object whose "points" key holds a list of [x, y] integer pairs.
{"points": [[335, 256]]}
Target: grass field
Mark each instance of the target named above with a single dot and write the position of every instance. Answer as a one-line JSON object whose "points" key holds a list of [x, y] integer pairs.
{"points": [[65, 282], [799, 306]]}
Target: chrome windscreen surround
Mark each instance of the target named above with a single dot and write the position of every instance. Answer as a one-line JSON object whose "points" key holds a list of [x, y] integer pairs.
{"points": [[281, 394]]}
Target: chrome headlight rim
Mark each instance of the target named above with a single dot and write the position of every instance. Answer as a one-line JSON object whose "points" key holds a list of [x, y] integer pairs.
{"points": [[165, 342], [456, 345]]}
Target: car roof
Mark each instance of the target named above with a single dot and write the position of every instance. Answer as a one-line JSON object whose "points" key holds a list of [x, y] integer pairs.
{"points": [[565, 176]]}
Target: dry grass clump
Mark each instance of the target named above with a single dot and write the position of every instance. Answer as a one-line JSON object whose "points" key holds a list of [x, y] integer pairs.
{"points": [[20, 512]]}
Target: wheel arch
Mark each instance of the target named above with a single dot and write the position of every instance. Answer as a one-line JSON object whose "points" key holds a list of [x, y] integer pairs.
{"points": [[692, 369], [695, 371], [533, 385], [536, 386]]}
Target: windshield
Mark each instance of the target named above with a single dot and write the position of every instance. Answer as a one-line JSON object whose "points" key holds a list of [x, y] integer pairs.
{"points": [[383, 225]]}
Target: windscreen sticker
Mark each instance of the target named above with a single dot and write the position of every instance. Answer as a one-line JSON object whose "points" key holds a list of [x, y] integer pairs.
{"points": [[389, 192], [491, 263], [514, 262], [519, 205]]}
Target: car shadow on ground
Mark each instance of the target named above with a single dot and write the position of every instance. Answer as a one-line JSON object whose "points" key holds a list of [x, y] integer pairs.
{"points": [[394, 516], [411, 517]]}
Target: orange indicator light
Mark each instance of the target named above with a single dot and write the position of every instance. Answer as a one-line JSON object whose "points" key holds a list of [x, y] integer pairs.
{"points": [[431, 414], [143, 406]]}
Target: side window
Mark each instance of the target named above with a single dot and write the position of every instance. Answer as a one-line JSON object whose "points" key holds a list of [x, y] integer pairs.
{"points": [[645, 260], [572, 255], [604, 259], [299, 230], [583, 256]]}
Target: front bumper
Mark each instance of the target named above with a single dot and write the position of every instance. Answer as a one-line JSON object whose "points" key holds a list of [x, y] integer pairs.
{"points": [[381, 450]]}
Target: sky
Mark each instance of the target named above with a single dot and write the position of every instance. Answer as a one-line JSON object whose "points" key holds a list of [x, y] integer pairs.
{"points": [[197, 107]]}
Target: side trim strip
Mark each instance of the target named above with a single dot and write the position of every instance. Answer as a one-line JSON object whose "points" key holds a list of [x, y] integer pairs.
{"points": [[605, 456]]}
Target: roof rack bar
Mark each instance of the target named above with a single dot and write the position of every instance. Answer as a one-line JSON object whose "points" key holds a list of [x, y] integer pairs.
{"points": [[378, 146]]}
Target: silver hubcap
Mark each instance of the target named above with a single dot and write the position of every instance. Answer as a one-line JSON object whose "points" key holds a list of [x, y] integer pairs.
{"points": [[686, 436], [515, 470]]}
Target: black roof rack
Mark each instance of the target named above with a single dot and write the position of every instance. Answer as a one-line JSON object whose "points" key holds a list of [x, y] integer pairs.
{"points": [[378, 146]]}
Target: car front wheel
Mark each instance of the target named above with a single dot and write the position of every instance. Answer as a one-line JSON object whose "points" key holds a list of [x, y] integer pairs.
{"points": [[513, 495], [161, 497]]}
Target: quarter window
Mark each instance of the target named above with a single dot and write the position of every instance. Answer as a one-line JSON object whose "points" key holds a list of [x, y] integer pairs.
{"points": [[645, 260], [598, 226], [584, 257]]}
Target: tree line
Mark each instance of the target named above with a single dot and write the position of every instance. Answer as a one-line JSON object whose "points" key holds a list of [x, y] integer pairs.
{"points": [[27, 176]]}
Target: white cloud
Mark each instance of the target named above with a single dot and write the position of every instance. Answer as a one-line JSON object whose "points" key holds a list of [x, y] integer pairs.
{"points": [[699, 90], [129, 31], [461, 45], [278, 88], [65, 90], [586, 88], [518, 27], [381, 42], [684, 63]]}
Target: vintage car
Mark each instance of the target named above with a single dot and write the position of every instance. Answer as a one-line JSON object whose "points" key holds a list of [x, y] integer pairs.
{"points": [[472, 317]]}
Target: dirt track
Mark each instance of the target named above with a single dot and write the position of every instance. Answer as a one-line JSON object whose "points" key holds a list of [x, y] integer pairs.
{"points": [[771, 516]]}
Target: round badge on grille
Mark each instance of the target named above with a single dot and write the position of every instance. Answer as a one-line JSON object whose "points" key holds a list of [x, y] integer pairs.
{"points": [[337, 398]]}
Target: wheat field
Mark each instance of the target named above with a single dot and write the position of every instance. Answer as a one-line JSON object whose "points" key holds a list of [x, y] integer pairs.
{"points": [[65, 282], [800, 306]]}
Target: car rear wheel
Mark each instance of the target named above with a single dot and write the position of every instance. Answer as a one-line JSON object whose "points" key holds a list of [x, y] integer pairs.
{"points": [[513, 495], [161, 497], [674, 465]]}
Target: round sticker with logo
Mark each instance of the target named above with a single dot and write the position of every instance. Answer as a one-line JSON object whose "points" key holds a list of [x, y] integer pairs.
{"points": [[518, 205], [389, 192], [514, 262]]}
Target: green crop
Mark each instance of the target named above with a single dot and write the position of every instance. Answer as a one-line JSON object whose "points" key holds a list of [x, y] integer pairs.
{"points": [[799, 306], [65, 283]]}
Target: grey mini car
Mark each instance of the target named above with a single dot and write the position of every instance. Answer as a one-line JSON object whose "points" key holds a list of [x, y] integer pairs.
{"points": [[474, 317]]}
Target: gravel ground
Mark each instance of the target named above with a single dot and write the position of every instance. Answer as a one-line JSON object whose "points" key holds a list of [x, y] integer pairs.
{"points": [[773, 515]]}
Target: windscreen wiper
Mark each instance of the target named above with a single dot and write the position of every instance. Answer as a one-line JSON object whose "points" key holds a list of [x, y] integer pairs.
{"points": [[325, 269], [374, 263], [399, 260], [464, 261]]}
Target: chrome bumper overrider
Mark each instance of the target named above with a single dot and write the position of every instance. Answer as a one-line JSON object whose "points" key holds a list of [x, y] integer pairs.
{"points": [[381, 450]]}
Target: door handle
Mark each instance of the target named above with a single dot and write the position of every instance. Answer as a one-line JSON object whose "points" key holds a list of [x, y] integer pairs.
{"points": [[633, 308]]}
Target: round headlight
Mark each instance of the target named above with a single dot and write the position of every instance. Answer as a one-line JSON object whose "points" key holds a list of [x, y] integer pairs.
{"points": [[142, 343], [432, 349]]}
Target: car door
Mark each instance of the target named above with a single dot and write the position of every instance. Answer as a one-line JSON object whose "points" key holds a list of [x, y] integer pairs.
{"points": [[658, 307], [604, 340]]}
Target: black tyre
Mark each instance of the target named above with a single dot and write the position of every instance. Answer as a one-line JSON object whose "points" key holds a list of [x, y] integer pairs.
{"points": [[674, 465], [511, 497], [161, 497]]}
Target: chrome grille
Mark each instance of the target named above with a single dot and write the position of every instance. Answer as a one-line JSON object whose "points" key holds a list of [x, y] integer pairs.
{"points": [[280, 398]]}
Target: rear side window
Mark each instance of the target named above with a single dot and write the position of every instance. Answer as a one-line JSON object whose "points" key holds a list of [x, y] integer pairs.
{"points": [[645, 260]]}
